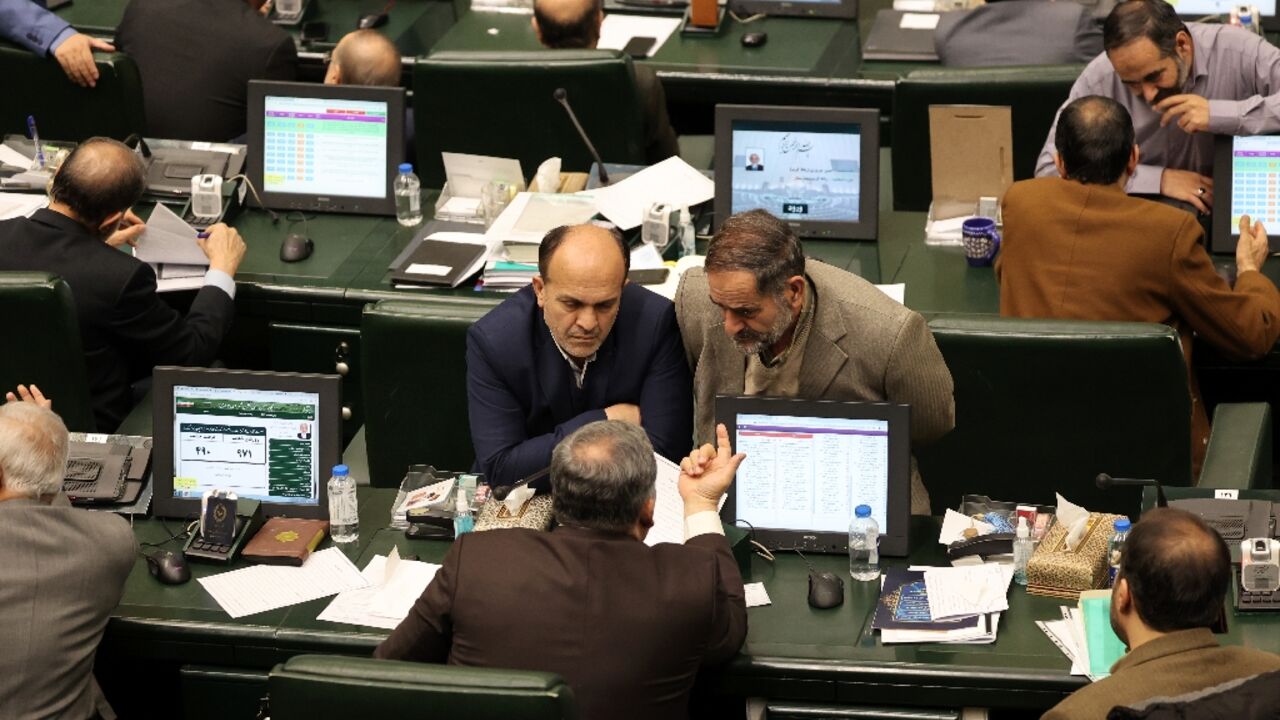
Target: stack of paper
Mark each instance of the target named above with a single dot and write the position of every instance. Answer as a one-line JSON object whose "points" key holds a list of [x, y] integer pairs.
{"points": [[1085, 636], [507, 276], [394, 586], [433, 495], [266, 587], [908, 612]]}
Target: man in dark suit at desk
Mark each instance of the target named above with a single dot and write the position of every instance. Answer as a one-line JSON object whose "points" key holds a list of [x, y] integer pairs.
{"points": [[197, 57], [579, 344], [62, 572], [569, 24], [125, 328], [1170, 590], [628, 626], [1078, 247]]}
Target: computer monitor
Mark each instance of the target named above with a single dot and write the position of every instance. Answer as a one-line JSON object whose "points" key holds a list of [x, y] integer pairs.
{"points": [[1246, 171], [326, 148], [797, 8], [810, 463], [1193, 10], [817, 169], [271, 437]]}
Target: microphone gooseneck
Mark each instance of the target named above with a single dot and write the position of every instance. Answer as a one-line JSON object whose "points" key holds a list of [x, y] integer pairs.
{"points": [[562, 97]]}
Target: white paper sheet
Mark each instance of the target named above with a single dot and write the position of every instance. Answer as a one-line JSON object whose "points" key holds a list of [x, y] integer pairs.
{"points": [[468, 174], [918, 21], [13, 205], [897, 291], [260, 588], [617, 30], [382, 604], [672, 181], [646, 257], [9, 156], [169, 239], [954, 524], [668, 506], [756, 594], [530, 215], [956, 592], [922, 6]]}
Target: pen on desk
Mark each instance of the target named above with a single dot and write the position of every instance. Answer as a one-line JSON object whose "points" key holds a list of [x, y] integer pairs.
{"points": [[35, 137]]}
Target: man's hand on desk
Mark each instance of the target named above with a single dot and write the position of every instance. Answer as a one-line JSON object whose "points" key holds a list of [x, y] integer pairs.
{"points": [[1189, 187], [1191, 112], [707, 473], [75, 55], [625, 412], [224, 248], [127, 231], [32, 396], [1252, 249]]}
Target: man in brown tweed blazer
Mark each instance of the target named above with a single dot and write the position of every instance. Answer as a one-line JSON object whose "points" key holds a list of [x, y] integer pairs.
{"points": [[761, 319]]}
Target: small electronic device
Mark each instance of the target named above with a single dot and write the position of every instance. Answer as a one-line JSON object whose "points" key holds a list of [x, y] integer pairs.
{"points": [[810, 463], [754, 39], [296, 247], [218, 516], [847, 9], [1263, 13], [1248, 172], [206, 196], [826, 590], [982, 545], [327, 148], [817, 169], [1259, 587], [661, 226], [168, 567], [639, 46], [96, 472], [225, 547], [270, 437], [649, 276]]}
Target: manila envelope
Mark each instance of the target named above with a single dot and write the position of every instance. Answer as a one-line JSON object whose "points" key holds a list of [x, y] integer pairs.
{"points": [[971, 148]]}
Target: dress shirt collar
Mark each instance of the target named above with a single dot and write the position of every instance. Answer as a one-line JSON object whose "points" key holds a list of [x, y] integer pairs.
{"points": [[1173, 643], [579, 373], [1201, 47]]}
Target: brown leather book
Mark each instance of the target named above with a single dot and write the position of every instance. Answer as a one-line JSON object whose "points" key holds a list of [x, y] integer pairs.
{"points": [[285, 541]]}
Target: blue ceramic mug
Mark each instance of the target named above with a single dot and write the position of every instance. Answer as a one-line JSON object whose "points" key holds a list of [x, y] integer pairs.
{"points": [[981, 240]]}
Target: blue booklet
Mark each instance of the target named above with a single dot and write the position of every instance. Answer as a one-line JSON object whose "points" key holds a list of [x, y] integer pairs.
{"points": [[904, 605]]}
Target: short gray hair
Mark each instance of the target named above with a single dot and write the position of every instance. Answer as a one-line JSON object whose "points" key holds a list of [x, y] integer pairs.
{"points": [[33, 449], [602, 475]]}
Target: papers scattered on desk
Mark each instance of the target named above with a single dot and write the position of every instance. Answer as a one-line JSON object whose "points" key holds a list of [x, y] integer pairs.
{"points": [[671, 181], [958, 592], [394, 586], [13, 158], [904, 613], [756, 594], [14, 205], [169, 239], [260, 588], [618, 30], [668, 506]]}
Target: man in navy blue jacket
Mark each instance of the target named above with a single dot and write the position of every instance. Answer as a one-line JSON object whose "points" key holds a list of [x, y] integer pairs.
{"points": [[578, 345]]}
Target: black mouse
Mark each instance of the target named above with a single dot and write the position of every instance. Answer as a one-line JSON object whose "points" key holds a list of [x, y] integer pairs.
{"points": [[825, 590], [296, 247], [372, 20], [168, 567], [754, 39]]}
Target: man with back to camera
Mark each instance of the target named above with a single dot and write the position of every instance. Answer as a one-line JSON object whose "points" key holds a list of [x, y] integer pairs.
{"points": [[28, 24], [125, 328], [1018, 32], [760, 319], [1181, 83], [1168, 594], [62, 572], [364, 57], [1071, 250], [628, 626], [196, 58], [579, 344], [575, 24]]}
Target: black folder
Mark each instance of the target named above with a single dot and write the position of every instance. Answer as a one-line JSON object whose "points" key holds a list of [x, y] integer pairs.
{"points": [[437, 263]]}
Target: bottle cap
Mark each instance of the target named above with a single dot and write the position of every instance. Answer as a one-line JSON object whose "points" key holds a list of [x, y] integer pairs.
{"points": [[862, 511], [1023, 530], [340, 470], [1122, 525], [406, 168]]}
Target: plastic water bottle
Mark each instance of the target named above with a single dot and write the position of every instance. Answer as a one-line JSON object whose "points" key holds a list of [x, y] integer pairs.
{"points": [[344, 514], [1022, 549], [864, 545], [408, 197], [688, 242], [463, 520], [1114, 547]]}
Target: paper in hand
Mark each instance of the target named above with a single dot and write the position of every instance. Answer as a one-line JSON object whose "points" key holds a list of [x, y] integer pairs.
{"points": [[169, 239]]}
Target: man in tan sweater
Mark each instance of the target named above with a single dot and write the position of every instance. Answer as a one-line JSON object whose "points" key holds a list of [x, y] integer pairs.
{"points": [[761, 319], [1078, 247], [1169, 592]]}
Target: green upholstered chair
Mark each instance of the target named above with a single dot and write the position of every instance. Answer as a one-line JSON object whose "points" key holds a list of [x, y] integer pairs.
{"points": [[501, 104], [44, 345], [1034, 93], [1046, 405], [415, 385], [63, 110], [331, 687]]}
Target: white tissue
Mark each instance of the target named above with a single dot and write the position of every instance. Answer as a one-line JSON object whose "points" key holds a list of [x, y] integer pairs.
{"points": [[1074, 518], [517, 498], [548, 175]]}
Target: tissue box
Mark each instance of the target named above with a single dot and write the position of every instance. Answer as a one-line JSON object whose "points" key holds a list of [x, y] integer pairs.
{"points": [[1056, 571], [536, 514]]}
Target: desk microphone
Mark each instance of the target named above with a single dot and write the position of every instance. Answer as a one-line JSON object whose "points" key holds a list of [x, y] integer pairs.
{"points": [[562, 97], [501, 492], [1105, 482]]}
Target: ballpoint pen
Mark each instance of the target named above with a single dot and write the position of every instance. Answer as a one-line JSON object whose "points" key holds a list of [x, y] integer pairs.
{"points": [[35, 137]]}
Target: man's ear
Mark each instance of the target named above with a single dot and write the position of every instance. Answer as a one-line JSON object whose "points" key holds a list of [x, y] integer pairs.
{"points": [[1062, 167], [1133, 160], [333, 74], [539, 290], [795, 292], [537, 32], [1121, 597], [646, 512]]}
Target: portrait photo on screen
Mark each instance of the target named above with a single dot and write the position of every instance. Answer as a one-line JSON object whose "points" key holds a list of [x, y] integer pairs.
{"points": [[811, 173]]}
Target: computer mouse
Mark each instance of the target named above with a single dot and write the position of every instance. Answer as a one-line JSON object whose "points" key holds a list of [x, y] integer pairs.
{"points": [[754, 39], [372, 20], [825, 590], [168, 567], [296, 247]]}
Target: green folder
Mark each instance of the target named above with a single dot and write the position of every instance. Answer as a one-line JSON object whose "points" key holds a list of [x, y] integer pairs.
{"points": [[1105, 648]]}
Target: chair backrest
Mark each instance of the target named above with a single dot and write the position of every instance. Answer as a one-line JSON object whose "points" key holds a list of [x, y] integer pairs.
{"points": [[1034, 94], [317, 687], [502, 104], [38, 87], [1046, 405], [44, 346], [415, 385]]}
